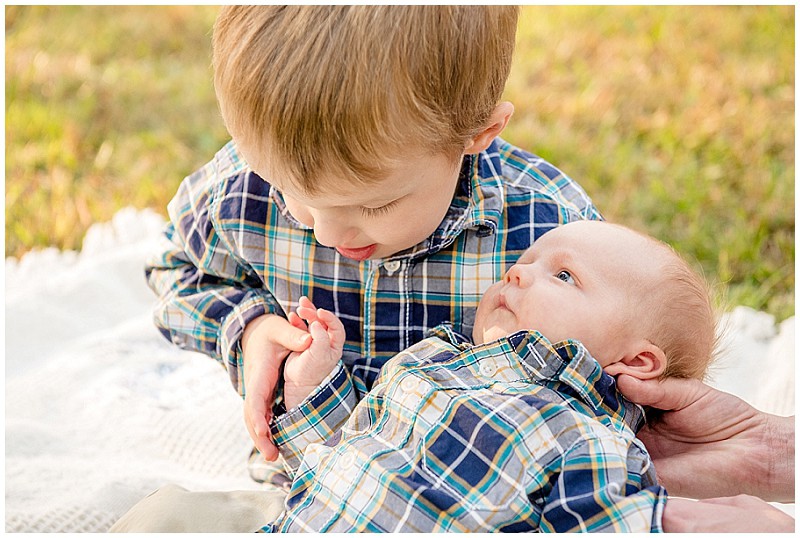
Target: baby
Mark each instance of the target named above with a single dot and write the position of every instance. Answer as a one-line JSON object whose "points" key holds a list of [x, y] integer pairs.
{"points": [[522, 431]]}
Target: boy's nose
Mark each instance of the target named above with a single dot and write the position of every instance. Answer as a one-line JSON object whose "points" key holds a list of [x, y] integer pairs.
{"points": [[334, 230]]}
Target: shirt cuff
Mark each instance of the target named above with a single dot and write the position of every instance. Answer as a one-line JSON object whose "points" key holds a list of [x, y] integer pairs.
{"points": [[316, 419], [231, 329]]}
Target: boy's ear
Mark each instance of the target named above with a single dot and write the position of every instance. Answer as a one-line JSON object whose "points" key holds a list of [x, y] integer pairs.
{"points": [[647, 361], [497, 122]]}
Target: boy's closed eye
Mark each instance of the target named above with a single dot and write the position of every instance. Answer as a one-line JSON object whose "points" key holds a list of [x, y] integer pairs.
{"points": [[378, 211]]}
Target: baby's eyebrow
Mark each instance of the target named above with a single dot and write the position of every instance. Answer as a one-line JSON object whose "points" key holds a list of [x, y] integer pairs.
{"points": [[563, 257]]}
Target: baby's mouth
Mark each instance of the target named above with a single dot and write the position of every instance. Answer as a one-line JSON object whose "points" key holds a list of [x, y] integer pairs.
{"points": [[501, 302]]}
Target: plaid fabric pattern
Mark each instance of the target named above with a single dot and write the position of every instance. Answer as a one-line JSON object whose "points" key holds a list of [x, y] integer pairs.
{"points": [[232, 252], [512, 435]]}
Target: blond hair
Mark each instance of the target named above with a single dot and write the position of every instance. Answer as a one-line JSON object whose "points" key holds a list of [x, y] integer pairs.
{"points": [[682, 320], [333, 89]]}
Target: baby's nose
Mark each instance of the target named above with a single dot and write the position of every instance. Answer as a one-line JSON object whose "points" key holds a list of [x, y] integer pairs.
{"points": [[513, 276]]}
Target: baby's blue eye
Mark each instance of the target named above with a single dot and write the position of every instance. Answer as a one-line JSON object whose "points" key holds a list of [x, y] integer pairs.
{"points": [[565, 276]]}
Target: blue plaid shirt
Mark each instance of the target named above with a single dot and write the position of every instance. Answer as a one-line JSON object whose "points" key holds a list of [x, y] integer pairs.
{"points": [[232, 252], [512, 435]]}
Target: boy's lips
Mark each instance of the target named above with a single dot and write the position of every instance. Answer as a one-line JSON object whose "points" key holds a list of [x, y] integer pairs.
{"points": [[358, 254]]}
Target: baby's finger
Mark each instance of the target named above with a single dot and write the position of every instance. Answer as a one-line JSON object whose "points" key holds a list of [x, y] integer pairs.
{"points": [[320, 342], [308, 314], [306, 302], [336, 331], [296, 321]]}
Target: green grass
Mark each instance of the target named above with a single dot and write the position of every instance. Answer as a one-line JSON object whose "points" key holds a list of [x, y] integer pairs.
{"points": [[677, 120]]}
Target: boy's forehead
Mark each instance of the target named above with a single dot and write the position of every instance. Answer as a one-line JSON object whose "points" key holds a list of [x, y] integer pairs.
{"points": [[344, 194]]}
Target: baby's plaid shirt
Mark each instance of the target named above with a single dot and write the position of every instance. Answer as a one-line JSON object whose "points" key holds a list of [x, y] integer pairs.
{"points": [[517, 434]]}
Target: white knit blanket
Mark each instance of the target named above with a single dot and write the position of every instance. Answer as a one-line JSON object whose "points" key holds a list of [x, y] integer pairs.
{"points": [[101, 410]]}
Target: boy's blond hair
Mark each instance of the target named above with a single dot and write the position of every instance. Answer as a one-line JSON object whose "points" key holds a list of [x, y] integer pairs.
{"points": [[335, 90], [679, 315]]}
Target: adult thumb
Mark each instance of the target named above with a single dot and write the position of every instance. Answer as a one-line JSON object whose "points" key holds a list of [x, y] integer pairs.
{"points": [[669, 394]]}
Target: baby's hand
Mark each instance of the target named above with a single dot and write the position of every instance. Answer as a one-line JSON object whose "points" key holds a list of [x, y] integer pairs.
{"points": [[304, 371]]}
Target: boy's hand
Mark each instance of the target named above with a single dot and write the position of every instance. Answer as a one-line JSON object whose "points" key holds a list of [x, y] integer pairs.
{"points": [[304, 371], [266, 342]]}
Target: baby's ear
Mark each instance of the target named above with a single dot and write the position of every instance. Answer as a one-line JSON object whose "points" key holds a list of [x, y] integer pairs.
{"points": [[647, 361], [497, 122]]}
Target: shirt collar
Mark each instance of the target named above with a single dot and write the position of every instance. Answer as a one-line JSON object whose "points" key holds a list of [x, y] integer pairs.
{"points": [[478, 203], [570, 364], [566, 365]]}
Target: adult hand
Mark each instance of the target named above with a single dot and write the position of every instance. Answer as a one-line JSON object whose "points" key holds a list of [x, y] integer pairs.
{"points": [[266, 342], [742, 513], [710, 443]]}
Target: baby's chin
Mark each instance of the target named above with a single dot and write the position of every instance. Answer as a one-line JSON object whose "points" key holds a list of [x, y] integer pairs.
{"points": [[480, 336]]}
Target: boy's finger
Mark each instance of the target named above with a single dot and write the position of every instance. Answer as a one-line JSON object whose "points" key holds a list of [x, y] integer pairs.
{"points": [[258, 420], [267, 448]]}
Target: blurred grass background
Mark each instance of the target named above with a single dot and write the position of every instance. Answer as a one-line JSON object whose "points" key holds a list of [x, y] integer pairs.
{"points": [[677, 120]]}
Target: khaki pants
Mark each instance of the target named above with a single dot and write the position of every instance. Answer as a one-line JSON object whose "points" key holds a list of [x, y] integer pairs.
{"points": [[175, 509]]}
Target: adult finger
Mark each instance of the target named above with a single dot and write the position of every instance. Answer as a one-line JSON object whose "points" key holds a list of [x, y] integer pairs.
{"points": [[670, 394]]}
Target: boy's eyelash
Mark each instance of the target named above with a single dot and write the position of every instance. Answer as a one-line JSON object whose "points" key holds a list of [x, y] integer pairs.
{"points": [[378, 211]]}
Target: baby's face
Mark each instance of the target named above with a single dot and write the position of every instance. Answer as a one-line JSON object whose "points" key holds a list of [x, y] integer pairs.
{"points": [[375, 221], [577, 281]]}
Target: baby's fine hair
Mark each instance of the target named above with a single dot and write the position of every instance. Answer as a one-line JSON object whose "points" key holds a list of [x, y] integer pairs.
{"points": [[681, 314], [339, 89]]}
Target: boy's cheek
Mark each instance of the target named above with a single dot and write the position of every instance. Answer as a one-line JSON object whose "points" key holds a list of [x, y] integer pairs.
{"points": [[300, 213]]}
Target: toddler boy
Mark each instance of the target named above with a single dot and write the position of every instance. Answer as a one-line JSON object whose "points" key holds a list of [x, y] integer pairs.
{"points": [[365, 172], [523, 431]]}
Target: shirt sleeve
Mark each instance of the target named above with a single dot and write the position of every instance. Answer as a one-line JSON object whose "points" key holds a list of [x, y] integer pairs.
{"points": [[316, 419], [207, 294], [595, 491]]}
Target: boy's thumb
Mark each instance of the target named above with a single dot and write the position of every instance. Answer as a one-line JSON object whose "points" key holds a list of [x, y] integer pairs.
{"points": [[293, 339]]}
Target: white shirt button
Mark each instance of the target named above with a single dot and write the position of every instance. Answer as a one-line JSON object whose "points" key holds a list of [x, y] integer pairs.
{"points": [[488, 367], [408, 384], [392, 266]]}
